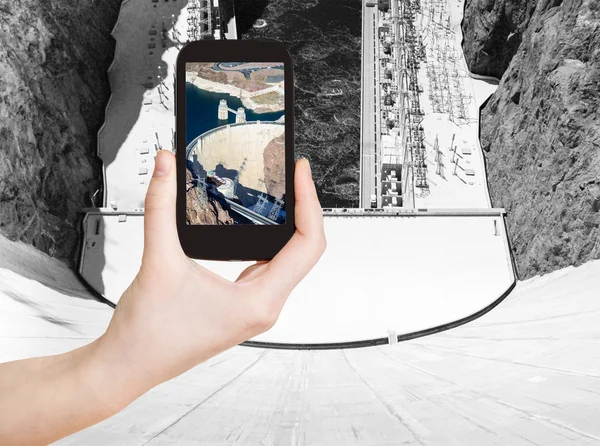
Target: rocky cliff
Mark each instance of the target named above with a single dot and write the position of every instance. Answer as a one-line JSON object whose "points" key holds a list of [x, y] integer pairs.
{"points": [[493, 32], [202, 209], [274, 159], [54, 57], [541, 129]]}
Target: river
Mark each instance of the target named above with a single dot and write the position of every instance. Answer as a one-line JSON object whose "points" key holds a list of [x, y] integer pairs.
{"points": [[324, 39]]}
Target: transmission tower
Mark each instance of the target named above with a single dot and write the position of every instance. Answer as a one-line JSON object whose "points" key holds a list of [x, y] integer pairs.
{"points": [[274, 214], [161, 94], [199, 19], [259, 207]]}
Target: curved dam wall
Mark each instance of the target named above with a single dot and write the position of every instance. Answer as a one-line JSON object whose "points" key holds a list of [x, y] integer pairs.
{"points": [[526, 373], [237, 148]]}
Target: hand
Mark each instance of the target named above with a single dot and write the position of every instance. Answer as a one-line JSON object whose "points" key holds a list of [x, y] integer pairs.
{"points": [[173, 316], [177, 314]]}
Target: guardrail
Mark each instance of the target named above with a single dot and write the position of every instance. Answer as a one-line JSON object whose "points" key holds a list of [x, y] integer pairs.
{"points": [[404, 336], [399, 212], [355, 212], [249, 214]]}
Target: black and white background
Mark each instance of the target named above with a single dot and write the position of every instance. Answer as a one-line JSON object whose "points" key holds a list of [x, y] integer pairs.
{"points": [[404, 335]]}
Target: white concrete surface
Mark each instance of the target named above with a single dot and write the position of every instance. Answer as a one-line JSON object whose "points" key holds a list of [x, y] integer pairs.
{"points": [[44, 307], [452, 187], [240, 145], [453, 181], [136, 120], [526, 373], [108, 265], [379, 273]]}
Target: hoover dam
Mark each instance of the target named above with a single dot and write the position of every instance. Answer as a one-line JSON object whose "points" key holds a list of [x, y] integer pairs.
{"points": [[412, 329], [249, 159], [450, 228], [525, 372], [234, 146]]}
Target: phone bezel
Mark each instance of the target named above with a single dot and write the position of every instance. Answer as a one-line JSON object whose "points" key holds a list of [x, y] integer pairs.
{"points": [[243, 242]]}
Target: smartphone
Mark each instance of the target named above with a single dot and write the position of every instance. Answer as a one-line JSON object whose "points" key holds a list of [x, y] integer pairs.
{"points": [[234, 119]]}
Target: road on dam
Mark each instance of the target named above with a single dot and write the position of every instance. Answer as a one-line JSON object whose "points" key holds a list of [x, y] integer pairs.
{"points": [[370, 88]]}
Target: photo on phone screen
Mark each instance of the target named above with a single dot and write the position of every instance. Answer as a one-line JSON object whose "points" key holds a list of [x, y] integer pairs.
{"points": [[235, 143]]}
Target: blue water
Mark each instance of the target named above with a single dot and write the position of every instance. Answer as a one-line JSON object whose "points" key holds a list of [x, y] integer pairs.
{"points": [[202, 111]]}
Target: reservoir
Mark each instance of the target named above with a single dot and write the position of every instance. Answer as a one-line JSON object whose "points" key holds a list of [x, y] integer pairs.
{"points": [[202, 111]]}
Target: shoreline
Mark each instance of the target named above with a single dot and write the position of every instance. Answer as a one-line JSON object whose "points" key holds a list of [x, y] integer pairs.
{"points": [[243, 95]]}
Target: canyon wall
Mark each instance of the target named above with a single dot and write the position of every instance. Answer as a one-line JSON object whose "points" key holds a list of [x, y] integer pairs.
{"points": [[54, 57], [200, 209], [540, 131]]}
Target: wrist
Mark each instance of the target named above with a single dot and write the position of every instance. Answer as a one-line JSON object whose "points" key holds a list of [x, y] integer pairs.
{"points": [[109, 376]]}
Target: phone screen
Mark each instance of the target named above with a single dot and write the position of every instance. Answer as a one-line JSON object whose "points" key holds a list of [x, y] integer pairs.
{"points": [[235, 143]]}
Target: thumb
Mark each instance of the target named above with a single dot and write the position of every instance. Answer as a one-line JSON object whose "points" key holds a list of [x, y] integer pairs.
{"points": [[161, 241]]}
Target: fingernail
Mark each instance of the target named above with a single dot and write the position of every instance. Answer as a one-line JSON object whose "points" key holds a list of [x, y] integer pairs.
{"points": [[162, 165], [309, 169]]}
